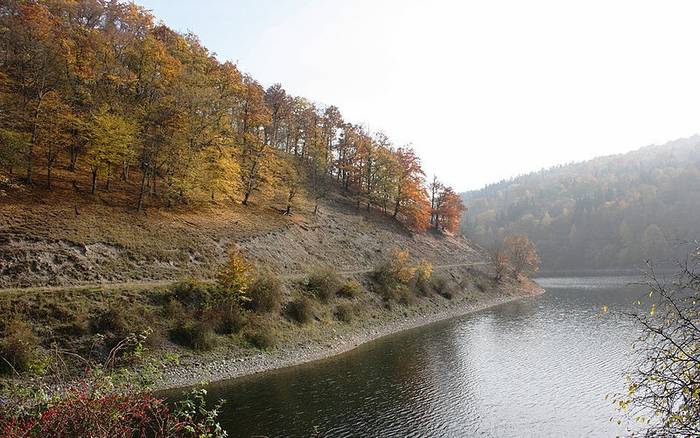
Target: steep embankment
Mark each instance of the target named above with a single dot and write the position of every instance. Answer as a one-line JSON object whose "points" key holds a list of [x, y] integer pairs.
{"points": [[68, 255], [43, 243]]}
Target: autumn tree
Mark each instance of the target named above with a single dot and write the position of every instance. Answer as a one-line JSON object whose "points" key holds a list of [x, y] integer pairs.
{"points": [[290, 174], [521, 254], [105, 86], [435, 187], [446, 207], [280, 106], [499, 262], [52, 132], [31, 62], [410, 196], [111, 139], [254, 153]]}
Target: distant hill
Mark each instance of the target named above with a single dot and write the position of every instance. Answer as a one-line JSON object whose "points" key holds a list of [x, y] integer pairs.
{"points": [[607, 213]]}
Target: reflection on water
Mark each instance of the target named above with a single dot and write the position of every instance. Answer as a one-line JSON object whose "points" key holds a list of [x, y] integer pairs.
{"points": [[536, 367]]}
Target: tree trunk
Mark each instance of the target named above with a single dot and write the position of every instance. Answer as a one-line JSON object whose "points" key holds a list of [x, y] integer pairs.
{"points": [[48, 175], [30, 160], [94, 181], [73, 158], [139, 205]]}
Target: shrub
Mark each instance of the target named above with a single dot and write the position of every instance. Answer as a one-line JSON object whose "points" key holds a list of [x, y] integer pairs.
{"points": [[323, 283], [424, 272], [79, 325], [350, 289], [174, 309], [265, 294], [344, 312], [394, 277], [84, 410], [111, 322], [18, 346], [230, 319], [194, 294], [235, 276], [441, 286], [262, 336], [301, 310], [197, 335]]}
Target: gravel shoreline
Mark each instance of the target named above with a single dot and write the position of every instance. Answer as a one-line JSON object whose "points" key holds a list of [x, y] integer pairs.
{"points": [[196, 372]]}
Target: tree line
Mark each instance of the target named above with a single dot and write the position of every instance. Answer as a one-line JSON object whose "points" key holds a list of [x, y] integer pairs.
{"points": [[610, 212], [100, 86]]}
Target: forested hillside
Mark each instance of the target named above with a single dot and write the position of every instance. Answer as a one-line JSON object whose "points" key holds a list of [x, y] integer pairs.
{"points": [[99, 99], [609, 212]]}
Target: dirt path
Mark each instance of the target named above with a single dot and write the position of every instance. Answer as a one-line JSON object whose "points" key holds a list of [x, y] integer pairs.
{"points": [[160, 283]]}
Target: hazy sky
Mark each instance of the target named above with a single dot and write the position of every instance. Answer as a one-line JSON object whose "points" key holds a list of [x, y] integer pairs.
{"points": [[484, 90]]}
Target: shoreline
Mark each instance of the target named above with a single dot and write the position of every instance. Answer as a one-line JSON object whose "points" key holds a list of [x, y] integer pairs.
{"points": [[230, 368]]}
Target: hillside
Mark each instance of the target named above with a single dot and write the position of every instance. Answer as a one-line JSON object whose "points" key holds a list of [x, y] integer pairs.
{"points": [[81, 278], [48, 241], [612, 212], [150, 191]]}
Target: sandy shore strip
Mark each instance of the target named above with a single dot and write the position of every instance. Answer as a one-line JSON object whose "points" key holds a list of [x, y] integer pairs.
{"points": [[196, 372]]}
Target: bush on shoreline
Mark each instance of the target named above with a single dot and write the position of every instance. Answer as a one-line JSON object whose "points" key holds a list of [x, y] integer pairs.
{"points": [[345, 312], [18, 347], [350, 289], [265, 294], [198, 335], [324, 283], [301, 310], [261, 335]]}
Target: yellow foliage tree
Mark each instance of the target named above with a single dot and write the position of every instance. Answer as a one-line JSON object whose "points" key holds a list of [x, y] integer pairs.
{"points": [[236, 276]]}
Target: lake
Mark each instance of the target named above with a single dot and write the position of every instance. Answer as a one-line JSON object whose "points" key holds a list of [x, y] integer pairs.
{"points": [[535, 367]]}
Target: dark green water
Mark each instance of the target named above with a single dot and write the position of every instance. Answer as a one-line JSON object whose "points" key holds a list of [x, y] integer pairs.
{"points": [[537, 367]]}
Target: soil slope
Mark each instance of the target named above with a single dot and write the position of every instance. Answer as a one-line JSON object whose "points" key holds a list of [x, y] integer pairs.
{"points": [[48, 243]]}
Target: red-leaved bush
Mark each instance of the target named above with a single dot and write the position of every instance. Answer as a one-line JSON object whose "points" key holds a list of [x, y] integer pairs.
{"points": [[82, 412]]}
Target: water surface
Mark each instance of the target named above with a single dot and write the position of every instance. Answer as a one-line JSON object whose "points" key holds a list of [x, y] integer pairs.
{"points": [[536, 367]]}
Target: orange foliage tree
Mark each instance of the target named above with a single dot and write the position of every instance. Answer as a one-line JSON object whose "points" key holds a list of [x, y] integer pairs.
{"points": [[198, 128]]}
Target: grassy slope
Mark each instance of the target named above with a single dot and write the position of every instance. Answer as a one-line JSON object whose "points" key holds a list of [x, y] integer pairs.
{"points": [[67, 237]]}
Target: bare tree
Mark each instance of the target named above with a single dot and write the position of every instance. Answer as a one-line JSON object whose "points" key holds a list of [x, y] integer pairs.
{"points": [[664, 388], [521, 254], [499, 262]]}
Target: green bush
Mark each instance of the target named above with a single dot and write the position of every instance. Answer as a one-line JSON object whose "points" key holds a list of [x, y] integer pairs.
{"points": [[344, 312], [112, 322], [18, 346], [174, 309], [265, 294], [301, 310], [323, 283], [230, 319], [351, 289], [441, 287], [197, 335], [262, 336], [194, 294]]}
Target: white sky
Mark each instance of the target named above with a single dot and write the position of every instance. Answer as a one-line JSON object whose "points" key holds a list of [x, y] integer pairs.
{"points": [[484, 90]]}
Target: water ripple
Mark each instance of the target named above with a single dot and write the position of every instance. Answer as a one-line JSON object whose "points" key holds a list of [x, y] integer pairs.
{"points": [[539, 367]]}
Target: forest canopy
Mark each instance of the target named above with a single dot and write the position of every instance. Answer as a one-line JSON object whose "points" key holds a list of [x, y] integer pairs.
{"points": [[610, 212], [99, 88]]}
